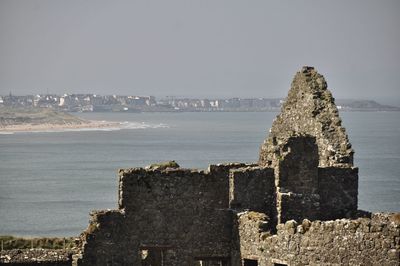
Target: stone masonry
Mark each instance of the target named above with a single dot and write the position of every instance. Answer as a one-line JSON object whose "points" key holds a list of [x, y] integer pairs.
{"points": [[310, 109], [181, 216], [30, 257], [296, 206], [362, 241]]}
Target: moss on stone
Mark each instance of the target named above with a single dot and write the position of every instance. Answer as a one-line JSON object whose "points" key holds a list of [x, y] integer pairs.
{"points": [[163, 165]]}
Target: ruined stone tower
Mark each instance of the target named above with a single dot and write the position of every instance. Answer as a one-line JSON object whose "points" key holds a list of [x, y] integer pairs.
{"points": [[271, 213], [305, 142], [309, 109]]}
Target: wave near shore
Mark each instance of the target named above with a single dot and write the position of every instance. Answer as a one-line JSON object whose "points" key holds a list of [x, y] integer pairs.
{"points": [[91, 125]]}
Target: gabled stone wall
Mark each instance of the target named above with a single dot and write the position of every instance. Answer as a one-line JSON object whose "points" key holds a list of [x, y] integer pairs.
{"points": [[311, 155], [310, 109]]}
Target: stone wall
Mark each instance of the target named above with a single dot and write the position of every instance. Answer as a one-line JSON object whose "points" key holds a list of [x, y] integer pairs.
{"points": [[105, 241], [252, 188], [296, 178], [250, 229], [304, 190], [362, 241], [310, 109], [178, 214], [338, 191], [30, 257]]}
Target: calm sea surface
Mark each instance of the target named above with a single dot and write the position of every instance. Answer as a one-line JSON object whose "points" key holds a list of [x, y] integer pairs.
{"points": [[50, 181]]}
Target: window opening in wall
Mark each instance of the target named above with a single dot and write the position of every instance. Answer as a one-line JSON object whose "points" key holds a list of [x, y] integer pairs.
{"points": [[151, 256], [279, 264], [211, 261], [247, 262]]}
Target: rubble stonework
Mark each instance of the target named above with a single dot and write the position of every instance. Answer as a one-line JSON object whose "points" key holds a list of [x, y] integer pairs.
{"points": [[178, 214], [362, 241], [297, 206], [28, 257], [310, 109], [309, 150]]}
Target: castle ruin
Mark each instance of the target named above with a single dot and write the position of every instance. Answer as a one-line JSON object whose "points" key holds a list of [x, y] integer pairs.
{"points": [[296, 206]]}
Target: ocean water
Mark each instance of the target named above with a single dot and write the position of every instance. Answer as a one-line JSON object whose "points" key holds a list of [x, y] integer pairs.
{"points": [[50, 181]]}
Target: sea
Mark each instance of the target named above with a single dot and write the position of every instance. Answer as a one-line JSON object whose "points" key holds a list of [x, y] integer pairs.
{"points": [[51, 180]]}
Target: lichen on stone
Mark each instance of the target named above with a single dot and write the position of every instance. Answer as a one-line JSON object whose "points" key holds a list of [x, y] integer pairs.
{"points": [[163, 165]]}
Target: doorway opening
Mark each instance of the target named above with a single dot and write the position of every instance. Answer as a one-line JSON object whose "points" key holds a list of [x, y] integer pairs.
{"points": [[248, 262], [212, 261]]}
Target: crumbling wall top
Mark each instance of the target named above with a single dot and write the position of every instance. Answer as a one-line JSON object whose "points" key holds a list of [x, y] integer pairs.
{"points": [[310, 109]]}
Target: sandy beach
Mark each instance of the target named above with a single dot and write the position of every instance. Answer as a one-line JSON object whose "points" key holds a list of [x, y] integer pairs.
{"points": [[59, 127]]}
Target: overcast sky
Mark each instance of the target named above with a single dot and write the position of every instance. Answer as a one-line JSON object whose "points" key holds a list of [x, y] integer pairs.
{"points": [[199, 48]]}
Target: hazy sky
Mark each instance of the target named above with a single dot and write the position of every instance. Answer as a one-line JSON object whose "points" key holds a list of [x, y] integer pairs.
{"points": [[199, 48]]}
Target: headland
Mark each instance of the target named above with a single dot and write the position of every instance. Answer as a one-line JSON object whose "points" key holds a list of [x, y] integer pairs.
{"points": [[45, 119]]}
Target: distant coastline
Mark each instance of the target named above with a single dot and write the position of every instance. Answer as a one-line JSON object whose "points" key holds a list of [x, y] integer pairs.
{"points": [[59, 127], [145, 104], [45, 119]]}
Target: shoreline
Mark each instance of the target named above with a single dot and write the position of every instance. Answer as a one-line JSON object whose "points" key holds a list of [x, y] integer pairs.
{"points": [[91, 124]]}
